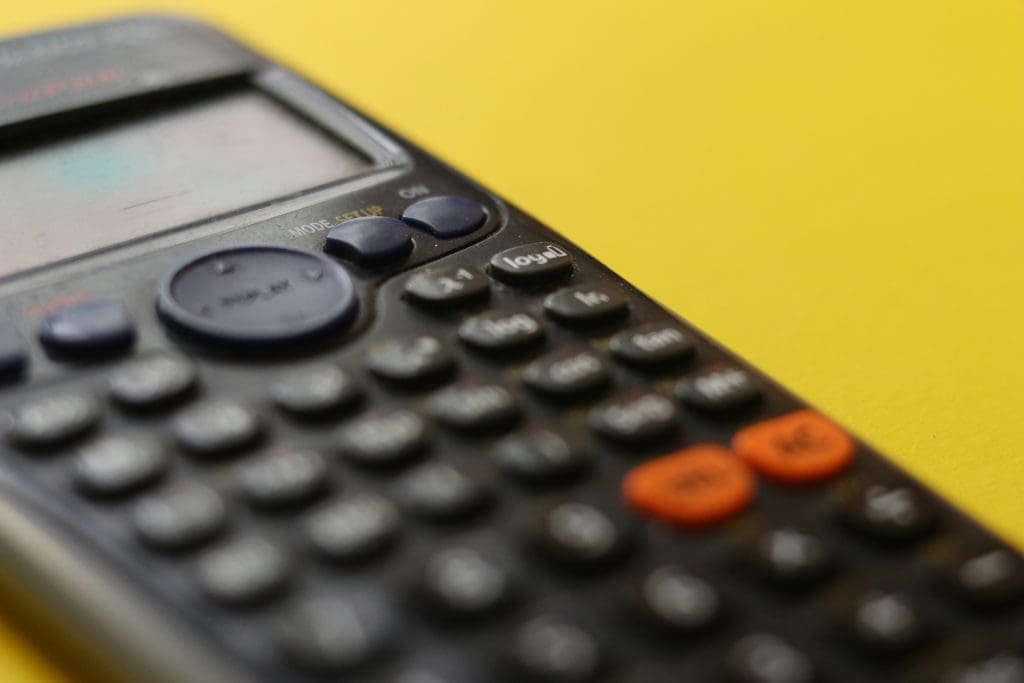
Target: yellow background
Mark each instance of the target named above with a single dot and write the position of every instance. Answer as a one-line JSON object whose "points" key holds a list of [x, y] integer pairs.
{"points": [[833, 189]]}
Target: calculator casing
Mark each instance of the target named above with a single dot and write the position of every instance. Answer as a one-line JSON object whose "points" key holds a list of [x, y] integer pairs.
{"points": [[60, 557]]}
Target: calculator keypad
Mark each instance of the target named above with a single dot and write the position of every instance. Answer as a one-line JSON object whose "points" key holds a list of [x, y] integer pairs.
{"points": [[525, 472]]}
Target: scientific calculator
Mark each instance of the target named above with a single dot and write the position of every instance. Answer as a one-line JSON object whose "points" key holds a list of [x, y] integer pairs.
{"points": [[286, 399]]}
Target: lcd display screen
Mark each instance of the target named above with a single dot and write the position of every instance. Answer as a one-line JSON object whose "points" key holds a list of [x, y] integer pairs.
{"points": [[109, 183]]}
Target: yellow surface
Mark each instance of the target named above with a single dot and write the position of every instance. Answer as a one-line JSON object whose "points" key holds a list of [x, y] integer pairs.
{"points": [[833, 189]]}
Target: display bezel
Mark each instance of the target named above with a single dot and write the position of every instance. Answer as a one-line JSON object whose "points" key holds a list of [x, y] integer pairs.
{"points": [[308, 103]]}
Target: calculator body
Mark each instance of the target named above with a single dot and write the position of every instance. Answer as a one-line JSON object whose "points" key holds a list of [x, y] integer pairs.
{"points": [[204, 238]]}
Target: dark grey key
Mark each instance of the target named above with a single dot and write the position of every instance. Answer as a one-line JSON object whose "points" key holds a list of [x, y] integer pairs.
{"points": [[463, 582], [315, 390], [474, 405], [789, 557], [586, 305], [886, 623], [530, 264], [719, 389], [383, 438], [677, 600], [284, 476], [216, 426], [989, 578], [153, 381], [52, 419], [767, 658], [576, 535], [180, 517], [353, 528], [652, 345], [115, 465], [889, 512], [440, 491], [447, 287], [332, 634], [636, 418], [243, 571], [1001, 667], [541, 454], [411, 361], [501, 331], [13, 355], [550, 649], [568, 373]]}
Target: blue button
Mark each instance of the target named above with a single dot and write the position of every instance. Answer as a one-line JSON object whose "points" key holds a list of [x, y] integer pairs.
{"points": [[446, 216], [258, 295], [12, 353], [374, 241], [97, 326]]}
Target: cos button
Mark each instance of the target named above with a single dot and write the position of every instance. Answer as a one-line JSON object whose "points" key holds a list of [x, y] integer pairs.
{"points": [[258, 295]]}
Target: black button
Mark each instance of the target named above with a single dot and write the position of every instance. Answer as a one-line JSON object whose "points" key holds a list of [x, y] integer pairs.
{"points": [[180, 517], [411, 361], [567, 373], [94, 327], [383, 438], [501, 331], [576, 535], [638, 417], [1001, 667], [315, 390], [449, 668], [541, 454], [678, 601], [447, 287], [284, 476], [258, 295], [443, 492], [889, 512], [586, 305], [115, 465], [992, 578], [353, 528], [463, 582], [372, 241], [789, 557], [216, 426], [446, 216], [244, 570], [51, 419], [153, 381], [474, 405], [331, 634], [533, 263], [767, 658], [719, 389], [652, 345], [885, 623], [550, 649], [13, 357]]}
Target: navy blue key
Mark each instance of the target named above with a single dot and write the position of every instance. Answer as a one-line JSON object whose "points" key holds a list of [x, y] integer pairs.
{"points": [[373, 241], [12, 353], [446, 216], [258, 295], [97, 326]]}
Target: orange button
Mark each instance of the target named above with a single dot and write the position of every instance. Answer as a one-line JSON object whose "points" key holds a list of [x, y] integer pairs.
{"points": [[696, 486], [798, 448]]}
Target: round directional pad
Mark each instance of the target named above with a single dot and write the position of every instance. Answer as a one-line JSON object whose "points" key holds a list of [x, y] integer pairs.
{"points": [[258, 295]]}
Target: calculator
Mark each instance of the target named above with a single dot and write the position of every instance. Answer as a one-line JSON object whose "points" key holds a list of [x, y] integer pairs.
{"points": [[285, 398]]}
